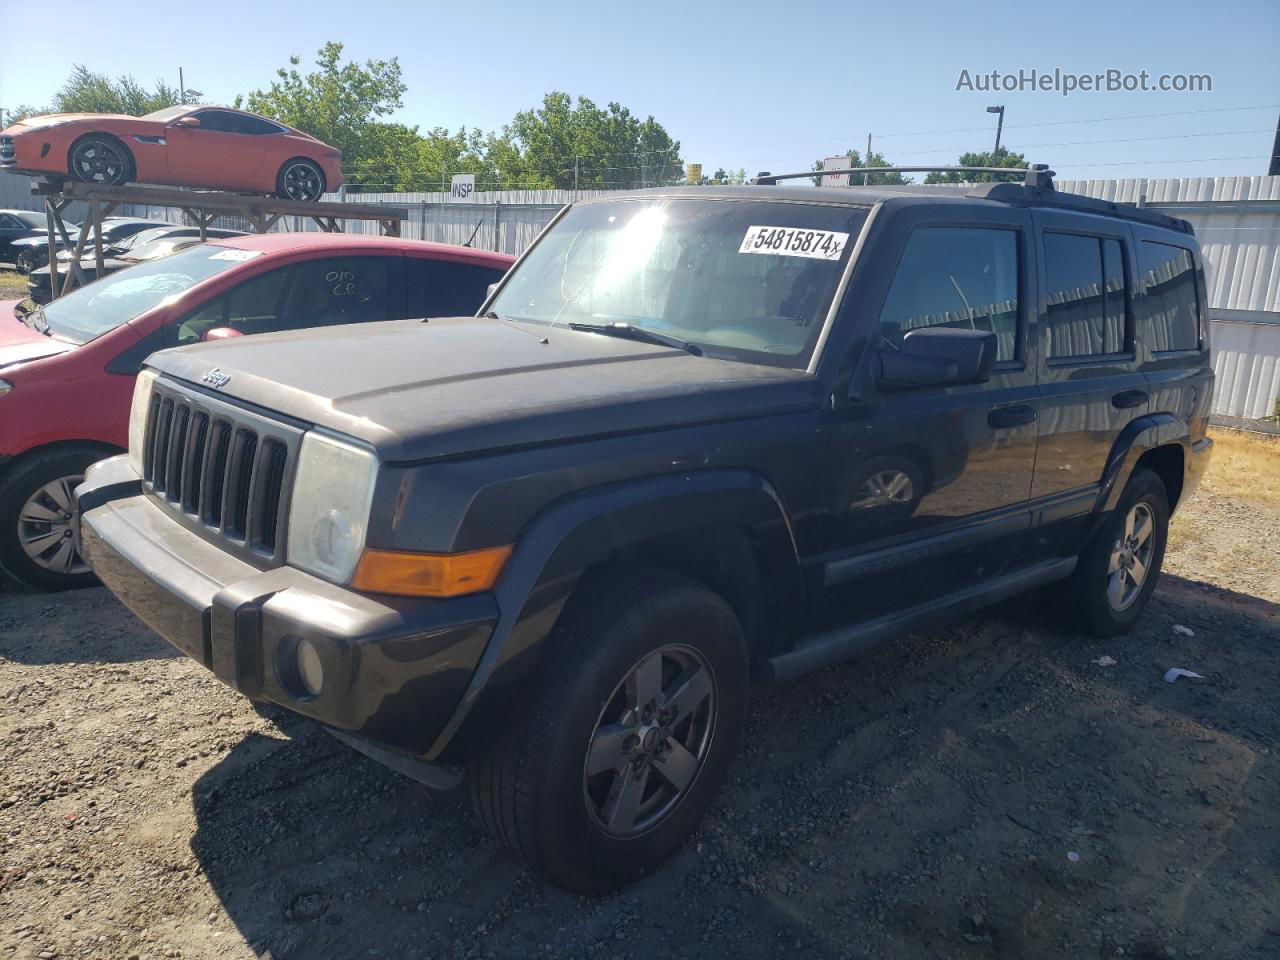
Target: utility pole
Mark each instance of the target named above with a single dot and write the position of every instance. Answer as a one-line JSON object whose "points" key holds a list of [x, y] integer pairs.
{"points": [[575, 178], [1273, 169], [182, 89], [866, 160], [999, 125]]}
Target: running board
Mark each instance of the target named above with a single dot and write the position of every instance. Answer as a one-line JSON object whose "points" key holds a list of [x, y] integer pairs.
{"points": [[836, 645]]}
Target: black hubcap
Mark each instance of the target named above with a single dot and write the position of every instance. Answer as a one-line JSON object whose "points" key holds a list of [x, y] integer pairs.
{"points": [[650, 741], [301, 181], [98, 162]]}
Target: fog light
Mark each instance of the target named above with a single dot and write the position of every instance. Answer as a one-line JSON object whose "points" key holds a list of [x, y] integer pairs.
{"points": [[310, 672]]}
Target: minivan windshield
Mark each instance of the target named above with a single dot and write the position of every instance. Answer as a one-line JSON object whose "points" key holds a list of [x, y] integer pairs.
{"points": [[93, 310], [740, 279]]}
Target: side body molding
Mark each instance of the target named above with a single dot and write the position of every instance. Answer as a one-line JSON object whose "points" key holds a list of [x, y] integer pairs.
{"points": [[578, 531]]}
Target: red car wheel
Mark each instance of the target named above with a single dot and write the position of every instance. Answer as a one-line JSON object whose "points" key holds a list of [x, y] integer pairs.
{"points": [[300, 179]]}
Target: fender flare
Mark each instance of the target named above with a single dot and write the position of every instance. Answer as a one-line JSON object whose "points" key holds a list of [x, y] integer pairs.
{"points": [[1139, 435], [569, 536]]}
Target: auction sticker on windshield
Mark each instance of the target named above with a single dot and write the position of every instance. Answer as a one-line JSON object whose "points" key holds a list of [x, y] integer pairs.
{"points": [[794, 242], [234, 254]]}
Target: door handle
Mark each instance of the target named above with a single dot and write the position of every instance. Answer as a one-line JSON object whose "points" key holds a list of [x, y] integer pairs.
{"points": [[1015, 416], [1129, 398]]}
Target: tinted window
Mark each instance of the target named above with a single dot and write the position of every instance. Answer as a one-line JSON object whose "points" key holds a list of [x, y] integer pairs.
{"points": [[336, 290], [243, 123], [1168, 277], [1085, 295], [963, 277], [10, 223], [439, 288], [222, 121], [250, 307]]}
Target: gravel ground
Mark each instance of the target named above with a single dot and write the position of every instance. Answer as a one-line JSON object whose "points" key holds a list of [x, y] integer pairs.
{"points": [[985, 790]]}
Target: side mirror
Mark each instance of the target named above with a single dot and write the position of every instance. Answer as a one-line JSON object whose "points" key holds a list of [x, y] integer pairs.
{"points": [[489, 292], [939, 357], [221, 333], [187, 122]]}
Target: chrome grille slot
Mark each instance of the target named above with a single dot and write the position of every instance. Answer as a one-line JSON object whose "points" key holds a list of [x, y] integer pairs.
{"points": [[224, 471]]}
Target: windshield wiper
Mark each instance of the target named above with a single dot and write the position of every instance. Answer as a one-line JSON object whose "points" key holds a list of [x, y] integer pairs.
{"points": [[627, 332]]}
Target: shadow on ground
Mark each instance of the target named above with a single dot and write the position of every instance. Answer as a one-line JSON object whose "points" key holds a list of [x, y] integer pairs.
{"points": [[921, 801]]}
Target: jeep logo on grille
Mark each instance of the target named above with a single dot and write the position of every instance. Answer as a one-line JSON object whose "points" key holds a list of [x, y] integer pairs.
{"points": [[216, 377]]}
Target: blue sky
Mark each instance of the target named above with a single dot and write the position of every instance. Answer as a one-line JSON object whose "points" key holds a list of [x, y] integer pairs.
{"points": [[752, 85]]}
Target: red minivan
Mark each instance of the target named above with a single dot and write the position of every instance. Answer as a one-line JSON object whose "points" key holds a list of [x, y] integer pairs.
{"points": [[67, 369]]}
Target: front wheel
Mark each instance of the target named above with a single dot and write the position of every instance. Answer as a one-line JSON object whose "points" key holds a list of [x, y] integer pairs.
{"points": [[100, 159], [36, 547], [27, 261], [300, 180], [628, 738], [1117, 571]]}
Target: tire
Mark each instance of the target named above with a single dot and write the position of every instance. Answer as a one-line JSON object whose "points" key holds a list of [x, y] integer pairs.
{"points": [[102, 159], [533, 788], [1103, 597], [29, 493], [300, 179], [26, 262]]}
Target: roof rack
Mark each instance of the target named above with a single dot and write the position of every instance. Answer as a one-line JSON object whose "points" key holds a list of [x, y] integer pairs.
{"points": [[1038, 175]]}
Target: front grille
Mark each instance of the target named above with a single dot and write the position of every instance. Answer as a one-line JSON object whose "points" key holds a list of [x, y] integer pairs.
{"points": [[223, 470], [7, 152]]}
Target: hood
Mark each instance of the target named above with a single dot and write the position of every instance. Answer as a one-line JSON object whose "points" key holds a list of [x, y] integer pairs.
{"points": [[417, 391], [53, 119], [19, 343], [40, 240]]}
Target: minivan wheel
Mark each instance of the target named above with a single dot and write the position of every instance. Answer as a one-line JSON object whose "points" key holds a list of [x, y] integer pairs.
{"points": [[628, 738], [1117, 571], [36, 547]]}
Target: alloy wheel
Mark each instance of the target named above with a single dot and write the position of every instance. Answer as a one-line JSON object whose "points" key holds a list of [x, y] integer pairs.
{"points": [[99, 161], [44, 528], [1130, 562], [650, 741], [302, 181]]}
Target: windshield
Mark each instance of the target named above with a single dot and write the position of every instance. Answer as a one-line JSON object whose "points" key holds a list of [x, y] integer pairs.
{"points": [[102, 306], [741, 279], [159, 248]]}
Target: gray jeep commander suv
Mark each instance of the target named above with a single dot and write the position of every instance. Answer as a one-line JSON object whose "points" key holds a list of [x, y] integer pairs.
{"points": [[698, 439]]}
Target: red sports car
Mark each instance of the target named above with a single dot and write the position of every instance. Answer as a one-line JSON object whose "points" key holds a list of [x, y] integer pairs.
{"points": [[189, 146]]}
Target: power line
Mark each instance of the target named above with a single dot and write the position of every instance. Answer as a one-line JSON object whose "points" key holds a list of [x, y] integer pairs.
{"points": [[1008, 126]]}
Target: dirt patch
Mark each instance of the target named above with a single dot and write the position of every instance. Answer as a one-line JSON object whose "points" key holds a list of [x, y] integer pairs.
{"points": [[985, 790]]}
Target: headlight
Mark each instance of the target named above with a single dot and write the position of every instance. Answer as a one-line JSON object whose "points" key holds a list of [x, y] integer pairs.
{"points": [[138, 418], [332, 490]]}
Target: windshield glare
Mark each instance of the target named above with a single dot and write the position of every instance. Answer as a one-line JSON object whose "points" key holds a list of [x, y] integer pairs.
{"points": [[102, 306], [742, 279]]}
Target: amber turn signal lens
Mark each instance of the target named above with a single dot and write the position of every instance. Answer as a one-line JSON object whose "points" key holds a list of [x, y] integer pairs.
{"points": [[429, 574]]}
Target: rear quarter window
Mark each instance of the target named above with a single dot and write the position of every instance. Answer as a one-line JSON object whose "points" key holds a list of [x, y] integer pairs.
{"points": [[444, 288], [1172, 301]]}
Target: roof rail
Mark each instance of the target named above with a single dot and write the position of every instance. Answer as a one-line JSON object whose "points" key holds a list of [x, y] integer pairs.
{"points": [[1038, 175]]}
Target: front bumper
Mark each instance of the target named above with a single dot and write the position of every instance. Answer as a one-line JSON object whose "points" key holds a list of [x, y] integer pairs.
{"points": [[394, 668]]}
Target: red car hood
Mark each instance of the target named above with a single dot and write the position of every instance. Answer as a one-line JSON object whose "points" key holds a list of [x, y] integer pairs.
{"points": [[53, 119], [19, 343]]}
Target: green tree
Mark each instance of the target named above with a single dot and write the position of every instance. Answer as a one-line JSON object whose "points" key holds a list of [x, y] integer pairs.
{"points": [[1004, 159], [562, 143], [88, 92], [872, 179], [342, 104]]}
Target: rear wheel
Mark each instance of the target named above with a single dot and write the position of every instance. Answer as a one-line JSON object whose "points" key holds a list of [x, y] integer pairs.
{"points": [[1117, 571], [628, 738], [300, 179], [36, 547], [100, 159], [27, 261]]}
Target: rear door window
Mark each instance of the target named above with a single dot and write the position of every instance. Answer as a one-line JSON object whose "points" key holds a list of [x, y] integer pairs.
{"points": [[1086, 296], [961, 277], [1173, 306], [443, 288], [337, 290]]}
